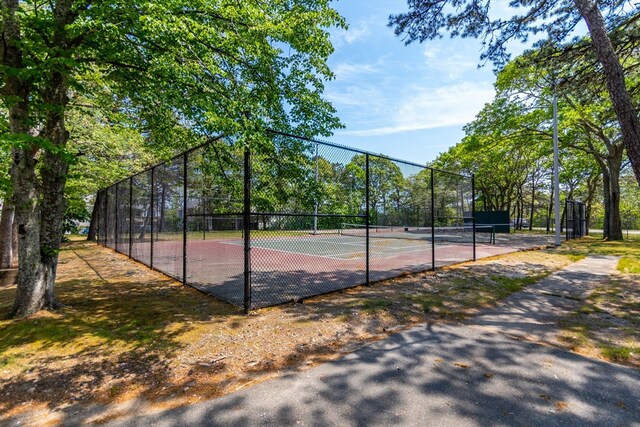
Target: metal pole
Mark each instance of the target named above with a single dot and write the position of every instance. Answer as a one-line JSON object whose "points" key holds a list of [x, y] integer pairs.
{"points": [[473, 212], [116, 228], [106, 219], [246, 230], [433, 225], [556, 166], [315, 211], [130, 215], [566, 219], [367, 217], [184, 218], [151, 212]]}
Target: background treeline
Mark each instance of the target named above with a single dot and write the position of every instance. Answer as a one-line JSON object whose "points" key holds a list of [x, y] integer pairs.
{"points": [[509, 146]]}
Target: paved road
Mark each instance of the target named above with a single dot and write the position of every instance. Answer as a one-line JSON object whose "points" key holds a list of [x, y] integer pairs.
{"points": [[477, 374]]}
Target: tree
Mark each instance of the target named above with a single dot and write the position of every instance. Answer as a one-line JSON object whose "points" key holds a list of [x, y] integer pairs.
{"points": [[212, 67], [426, 20], [588, 124], [7, 240], [104, 151]]}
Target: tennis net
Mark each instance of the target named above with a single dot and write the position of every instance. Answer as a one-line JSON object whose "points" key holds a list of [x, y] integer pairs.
{"points": [[460, 234]]}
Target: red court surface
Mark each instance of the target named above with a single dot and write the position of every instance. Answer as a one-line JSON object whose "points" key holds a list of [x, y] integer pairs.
{"points": [[291, 268]]}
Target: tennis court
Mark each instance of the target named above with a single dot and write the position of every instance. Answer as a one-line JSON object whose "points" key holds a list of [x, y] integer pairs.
{"points": [[288, 266], [266, 227]]}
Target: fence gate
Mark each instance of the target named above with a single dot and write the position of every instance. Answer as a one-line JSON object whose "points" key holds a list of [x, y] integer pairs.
{"points": [[575, 219]]}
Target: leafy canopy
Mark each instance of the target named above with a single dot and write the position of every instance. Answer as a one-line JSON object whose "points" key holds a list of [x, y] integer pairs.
{"points": [[210, 66], [431, 19]]}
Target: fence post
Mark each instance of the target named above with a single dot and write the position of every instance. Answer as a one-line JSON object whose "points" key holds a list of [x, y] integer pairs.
{"points": [[152, 213], [473, 212], [246, 214], [106, 220], [184, 217], [433, 223], [566, 219], [367, 219], [130, 215], [115, 236]]}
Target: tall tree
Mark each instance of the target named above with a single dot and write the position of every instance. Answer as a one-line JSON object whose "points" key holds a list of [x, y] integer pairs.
{"points": [[7, 248], [427, 19], [211, 66]]}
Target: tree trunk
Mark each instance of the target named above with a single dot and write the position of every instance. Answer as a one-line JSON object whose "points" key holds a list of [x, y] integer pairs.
{"points": [[6, 235], [615, 224], [30, 292], [592, 185], [39, 206], [533, 202], [606, 192], [550, 210], [614, 74], [93, 225], [14, 243]]}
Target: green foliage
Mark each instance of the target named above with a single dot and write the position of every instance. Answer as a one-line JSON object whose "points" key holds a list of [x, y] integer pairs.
{"points": [[427, 20], [149, 79], [238, 66], [618, 354]]}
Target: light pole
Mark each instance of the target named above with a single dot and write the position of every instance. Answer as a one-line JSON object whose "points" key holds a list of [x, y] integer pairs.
{"points": [[556, 166]]}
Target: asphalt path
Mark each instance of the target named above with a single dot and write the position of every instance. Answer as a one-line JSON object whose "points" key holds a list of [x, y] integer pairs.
{"points": [[475, 374]]}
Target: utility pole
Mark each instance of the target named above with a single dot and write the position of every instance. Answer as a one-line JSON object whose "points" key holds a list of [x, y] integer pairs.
{"points": [[556, 165]]}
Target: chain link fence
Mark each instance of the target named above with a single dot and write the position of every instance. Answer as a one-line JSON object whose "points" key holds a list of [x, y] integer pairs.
{"points": [[295, 219]]}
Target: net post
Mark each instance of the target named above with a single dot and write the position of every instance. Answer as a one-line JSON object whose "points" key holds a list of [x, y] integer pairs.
{"points": [[247, 230], [115, 229], [367, 219], [184, 218], [130, 214], [473, 212], [152, 212], [433, 224]]}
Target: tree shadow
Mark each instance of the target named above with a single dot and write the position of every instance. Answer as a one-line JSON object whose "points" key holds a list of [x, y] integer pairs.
{"points": [[432, 375], [120, 333]]}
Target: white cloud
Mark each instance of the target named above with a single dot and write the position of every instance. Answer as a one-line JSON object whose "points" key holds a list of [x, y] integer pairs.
{"points": [[428, 108], [346, 69], [450, 64], [365, 98], [355, 32]]}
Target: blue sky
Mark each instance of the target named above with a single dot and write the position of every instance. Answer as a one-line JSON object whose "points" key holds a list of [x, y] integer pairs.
{"points": [[409, 102]]}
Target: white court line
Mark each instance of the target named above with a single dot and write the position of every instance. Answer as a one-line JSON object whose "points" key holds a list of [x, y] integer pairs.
{"points": [[299, 253], [420, 248]]}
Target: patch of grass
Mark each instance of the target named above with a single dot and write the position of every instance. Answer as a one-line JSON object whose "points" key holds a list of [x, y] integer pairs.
{"points": [[371, 305], [574, 337], [617, 354], [427, 302], [609, 317], [509, 285], [589, 308], [576, 256], [629, 265], [629, 248], [7, 361]]}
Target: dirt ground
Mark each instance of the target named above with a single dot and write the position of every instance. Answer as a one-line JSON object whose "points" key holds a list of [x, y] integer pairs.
{"points": [[128, 334]]}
